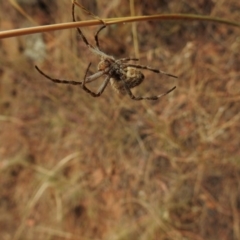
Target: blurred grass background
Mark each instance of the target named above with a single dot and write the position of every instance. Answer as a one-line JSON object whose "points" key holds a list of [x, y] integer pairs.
{"points": [[77, 167]]}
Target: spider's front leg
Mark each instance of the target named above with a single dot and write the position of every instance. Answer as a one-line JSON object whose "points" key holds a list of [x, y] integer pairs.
{"points": [[96, 36], [81, 33], [92, 78], [55, 80]]}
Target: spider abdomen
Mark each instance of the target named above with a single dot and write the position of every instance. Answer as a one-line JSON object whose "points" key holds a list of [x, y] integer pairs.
{"points": [[131, 76]]}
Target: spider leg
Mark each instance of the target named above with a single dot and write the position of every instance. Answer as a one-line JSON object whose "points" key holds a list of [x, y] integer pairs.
{"points": [[58, 80], [79, 31], [94, 76], [151, 69], [96, 36], [102, 87], [129, 92], [122, 60]]}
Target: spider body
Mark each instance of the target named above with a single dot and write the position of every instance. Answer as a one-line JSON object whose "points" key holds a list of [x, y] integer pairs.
{"points": [[132, 78], [122, 75], [118, 73]]}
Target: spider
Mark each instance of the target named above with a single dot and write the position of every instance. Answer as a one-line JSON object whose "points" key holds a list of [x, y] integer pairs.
{"points": [[122, 75]]}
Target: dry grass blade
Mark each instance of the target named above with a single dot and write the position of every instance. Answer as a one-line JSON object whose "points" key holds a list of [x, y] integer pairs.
{"points": [[109, 21]]}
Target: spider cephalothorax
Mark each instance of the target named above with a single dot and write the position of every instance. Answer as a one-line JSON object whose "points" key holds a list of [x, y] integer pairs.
{"points": [[122, 75]]}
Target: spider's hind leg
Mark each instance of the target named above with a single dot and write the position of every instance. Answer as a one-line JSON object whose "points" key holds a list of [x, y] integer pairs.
{"points": [[152, 69], [129, 92]]}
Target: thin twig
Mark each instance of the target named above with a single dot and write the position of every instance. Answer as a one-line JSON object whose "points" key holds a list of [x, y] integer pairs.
{"points": [[109, 21]]}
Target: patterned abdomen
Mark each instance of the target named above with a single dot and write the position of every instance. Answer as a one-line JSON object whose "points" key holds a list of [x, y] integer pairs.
{"points": [[133, 78]]}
